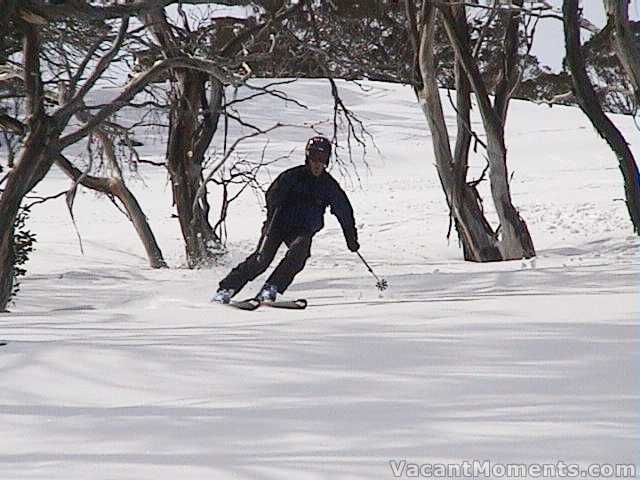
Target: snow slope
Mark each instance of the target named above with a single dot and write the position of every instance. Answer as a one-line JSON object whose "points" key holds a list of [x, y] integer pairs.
{"points": [[116, 371]]}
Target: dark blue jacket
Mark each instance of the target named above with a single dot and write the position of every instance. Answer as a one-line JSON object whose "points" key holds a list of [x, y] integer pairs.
{"points": [[298, 199]]}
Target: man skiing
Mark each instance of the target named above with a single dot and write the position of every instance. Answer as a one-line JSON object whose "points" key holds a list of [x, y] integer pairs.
{"points": [[296, 203]]}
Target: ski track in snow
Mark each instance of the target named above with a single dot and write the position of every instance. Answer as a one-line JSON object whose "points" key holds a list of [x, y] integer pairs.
{"points": [[113, 370]]}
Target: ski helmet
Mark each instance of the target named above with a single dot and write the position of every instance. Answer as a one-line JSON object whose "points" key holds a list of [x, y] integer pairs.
{"points": [[318, 144]]}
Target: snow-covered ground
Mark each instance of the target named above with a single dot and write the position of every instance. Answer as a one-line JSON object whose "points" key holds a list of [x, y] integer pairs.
{"points": [[113, 370]]}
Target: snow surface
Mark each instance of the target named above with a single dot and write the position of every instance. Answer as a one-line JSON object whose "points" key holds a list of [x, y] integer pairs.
{"points": [[116, 371]]}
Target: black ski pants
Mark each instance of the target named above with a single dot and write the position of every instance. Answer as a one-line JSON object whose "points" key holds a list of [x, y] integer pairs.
{"points": [[299, 250]]}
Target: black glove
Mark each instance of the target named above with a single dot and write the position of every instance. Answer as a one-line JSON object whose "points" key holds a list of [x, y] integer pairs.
{"points": [[352, 244]]}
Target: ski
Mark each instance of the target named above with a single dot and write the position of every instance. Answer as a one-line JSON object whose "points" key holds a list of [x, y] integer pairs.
{"points": [[249, 304], [299, 304]]}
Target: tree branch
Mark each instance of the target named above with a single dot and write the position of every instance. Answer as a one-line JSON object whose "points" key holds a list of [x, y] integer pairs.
{"points": [[69, 108], [236, 44], [221, 162], [34, 11], [12, 124], [44, 199], [83, 65], [139, 82]]}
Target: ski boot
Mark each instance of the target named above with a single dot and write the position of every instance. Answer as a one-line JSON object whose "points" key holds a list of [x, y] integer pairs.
{"points": [[268, 293], [223, 295]]}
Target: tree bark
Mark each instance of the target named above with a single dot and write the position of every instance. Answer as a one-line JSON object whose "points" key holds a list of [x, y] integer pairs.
{"points": [[7, 265], [184, 162], [31, 167], [588, 102], [515, 240], [482, 245]]}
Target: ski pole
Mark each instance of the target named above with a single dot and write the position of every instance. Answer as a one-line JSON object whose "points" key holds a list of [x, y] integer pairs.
{"points": [[381, 283]]}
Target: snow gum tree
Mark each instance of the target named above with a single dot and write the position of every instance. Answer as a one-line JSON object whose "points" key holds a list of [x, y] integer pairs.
{"points": [[480, 242], [193, 119], [628, 53], [478, 239]]}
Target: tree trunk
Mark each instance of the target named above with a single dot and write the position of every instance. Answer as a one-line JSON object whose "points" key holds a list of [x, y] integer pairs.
{"points": [[33, 163], [117, 188], [588, 102], [465, 196], [477, 239], [515, 240], [189, 138], [7, 262], [509, 74], [185, 169]]}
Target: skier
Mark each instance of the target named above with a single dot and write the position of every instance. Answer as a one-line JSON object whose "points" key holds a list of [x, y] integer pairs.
{"points": [[296, 203]]}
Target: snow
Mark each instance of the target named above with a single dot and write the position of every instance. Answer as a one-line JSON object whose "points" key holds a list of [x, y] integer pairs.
{"points": [[113, 370]]}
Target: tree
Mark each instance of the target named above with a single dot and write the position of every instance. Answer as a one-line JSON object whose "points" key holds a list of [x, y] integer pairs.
{"points": [[612, 86], [64, 46], [476, 236], [196, 104], [45, 125], [480, 242], [515, 240], [626, 42], [588, 100], [113, 187]]}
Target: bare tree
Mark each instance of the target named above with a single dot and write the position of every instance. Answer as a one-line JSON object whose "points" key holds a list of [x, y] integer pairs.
{"points": [[63, 51], [45, 139], [515, 240], [588, 101], [480, 242], [193, 120], [113, 187]]}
